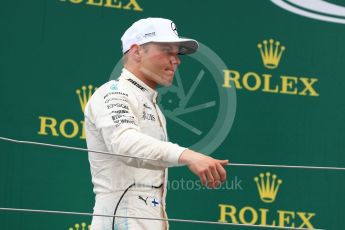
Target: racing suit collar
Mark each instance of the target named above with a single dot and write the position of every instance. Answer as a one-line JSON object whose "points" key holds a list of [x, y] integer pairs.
{"points": [[139, 85]]}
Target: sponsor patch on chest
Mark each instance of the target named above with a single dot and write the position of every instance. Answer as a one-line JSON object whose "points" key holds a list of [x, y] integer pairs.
{"points": [[148, 116]]}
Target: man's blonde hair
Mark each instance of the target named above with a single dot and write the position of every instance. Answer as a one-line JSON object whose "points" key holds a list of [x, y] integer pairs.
{"points": [[125, 56]]}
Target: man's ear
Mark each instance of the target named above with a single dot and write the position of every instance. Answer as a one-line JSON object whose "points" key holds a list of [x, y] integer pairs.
{"points": [[136, 52]]}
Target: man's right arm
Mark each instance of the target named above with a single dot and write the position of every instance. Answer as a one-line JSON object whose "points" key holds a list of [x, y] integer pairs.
{"points": [[118, 122], [210, 171], [115, 114]]}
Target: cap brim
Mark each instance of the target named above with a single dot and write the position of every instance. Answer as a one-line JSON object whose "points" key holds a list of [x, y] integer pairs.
{"points": [[186, 45]]}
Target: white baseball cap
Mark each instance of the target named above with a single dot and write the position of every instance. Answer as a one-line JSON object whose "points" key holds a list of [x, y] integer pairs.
{"points": [[156, 30]]}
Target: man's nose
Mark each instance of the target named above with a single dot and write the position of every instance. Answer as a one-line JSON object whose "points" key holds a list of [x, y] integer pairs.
{"points": [[175, 59]]}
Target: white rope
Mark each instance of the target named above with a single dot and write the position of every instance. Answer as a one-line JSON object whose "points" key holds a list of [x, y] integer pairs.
{"points": [[288, 166], [143, 158], [147, 218], [71, 148]]}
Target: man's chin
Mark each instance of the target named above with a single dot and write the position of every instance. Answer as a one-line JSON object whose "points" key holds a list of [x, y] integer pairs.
{"points": [[166, 80], [165, 83]]}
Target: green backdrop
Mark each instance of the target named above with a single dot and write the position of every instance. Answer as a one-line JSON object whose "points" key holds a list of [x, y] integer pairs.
{"points": [[224, 102]]}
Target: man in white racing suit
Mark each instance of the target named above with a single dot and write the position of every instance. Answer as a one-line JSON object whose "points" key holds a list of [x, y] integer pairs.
{"points": [[122, 117]]}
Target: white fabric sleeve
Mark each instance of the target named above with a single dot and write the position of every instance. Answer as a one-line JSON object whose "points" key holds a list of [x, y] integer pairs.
{"points": [[118, 122]]}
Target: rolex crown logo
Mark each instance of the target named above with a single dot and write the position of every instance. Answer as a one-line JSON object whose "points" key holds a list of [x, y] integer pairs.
{"points": [[267, 186], [81, 226], [271, 52], [84, 95]]}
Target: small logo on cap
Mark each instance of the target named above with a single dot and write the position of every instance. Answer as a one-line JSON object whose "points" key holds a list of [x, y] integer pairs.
{"points": [[152, 34], [173, 27]]}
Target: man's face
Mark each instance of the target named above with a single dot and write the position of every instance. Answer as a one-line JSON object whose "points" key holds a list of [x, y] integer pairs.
{"points": [[159, 62]]}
